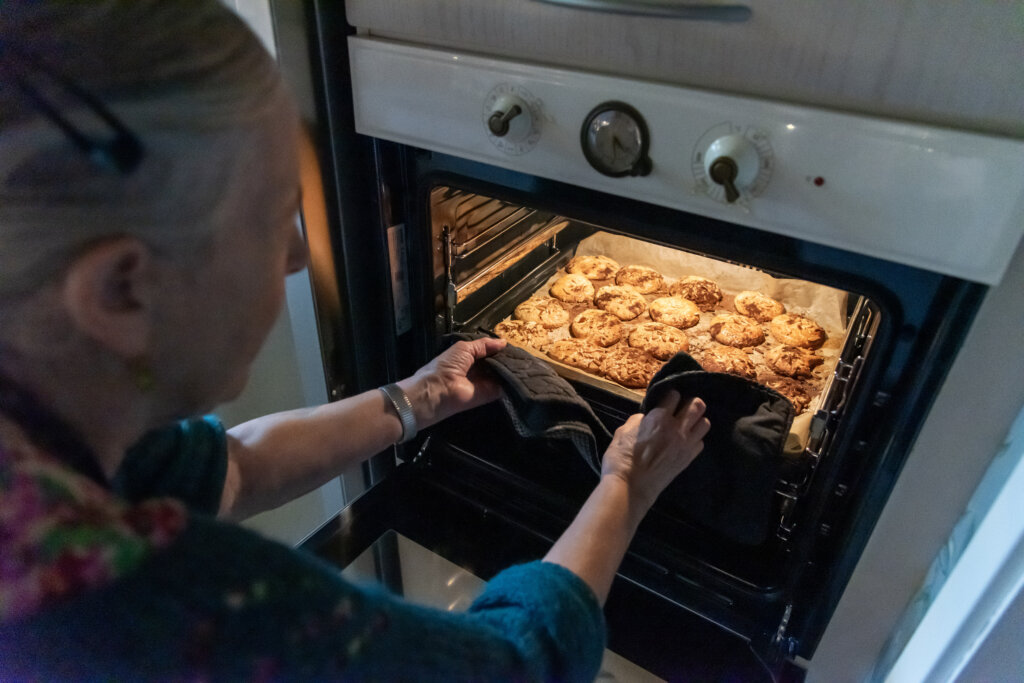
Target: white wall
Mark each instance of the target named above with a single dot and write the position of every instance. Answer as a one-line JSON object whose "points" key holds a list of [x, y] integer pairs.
{"points": [[288, 372]]}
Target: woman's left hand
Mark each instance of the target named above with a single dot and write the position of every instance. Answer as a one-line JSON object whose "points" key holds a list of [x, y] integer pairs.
{"points": [[451, 382]]}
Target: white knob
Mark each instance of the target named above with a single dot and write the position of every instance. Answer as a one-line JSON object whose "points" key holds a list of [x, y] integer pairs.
{"points": [[732, 162]]}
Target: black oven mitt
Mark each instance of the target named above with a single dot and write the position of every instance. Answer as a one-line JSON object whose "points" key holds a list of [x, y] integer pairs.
{"points": [[730, 486], [542, 405]]}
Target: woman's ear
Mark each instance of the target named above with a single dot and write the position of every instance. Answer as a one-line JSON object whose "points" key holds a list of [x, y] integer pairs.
{"points": [[108, 293]]}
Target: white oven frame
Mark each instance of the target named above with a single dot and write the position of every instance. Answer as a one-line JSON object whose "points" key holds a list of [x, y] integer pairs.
{"points": [[873, 600]]}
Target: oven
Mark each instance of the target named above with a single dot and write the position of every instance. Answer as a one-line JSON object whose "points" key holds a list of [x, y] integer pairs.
{"points": [[464, 185]]}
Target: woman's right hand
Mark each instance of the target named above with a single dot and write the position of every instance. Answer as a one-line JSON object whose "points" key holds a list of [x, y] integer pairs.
{"points": [[649, 451], [453, 381]]}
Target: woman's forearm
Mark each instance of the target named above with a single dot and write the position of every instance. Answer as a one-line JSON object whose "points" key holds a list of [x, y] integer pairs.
{"points": [[273, 459], [276, 458], [595, 543]]}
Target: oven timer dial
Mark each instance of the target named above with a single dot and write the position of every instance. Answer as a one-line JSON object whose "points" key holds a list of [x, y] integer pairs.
{"points": [[615, 140], [512, 119], [732, 165]]}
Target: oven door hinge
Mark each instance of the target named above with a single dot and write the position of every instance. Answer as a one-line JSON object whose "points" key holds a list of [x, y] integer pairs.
{"points": [[776, 648], [786, 646], [422, 456]]}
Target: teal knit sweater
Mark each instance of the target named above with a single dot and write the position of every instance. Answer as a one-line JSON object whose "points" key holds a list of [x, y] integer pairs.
{"points": [[192, 598]]}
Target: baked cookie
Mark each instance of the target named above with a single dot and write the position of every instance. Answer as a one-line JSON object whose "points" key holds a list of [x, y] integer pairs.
{"points": [[630, 367], [621, 300], [736, 330], [796, 330], [793, 390], [730, 360], [646, 280], [792, 361], [659, 340], [592, 267], [758, 306], [675, 311], [701, 291], [597, 327], [573, 289], [547, 312], [578, 353], [523, 333]]}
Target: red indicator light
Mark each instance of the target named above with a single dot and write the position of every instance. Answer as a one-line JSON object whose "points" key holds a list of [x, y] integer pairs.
{"points": [[819, 181]]}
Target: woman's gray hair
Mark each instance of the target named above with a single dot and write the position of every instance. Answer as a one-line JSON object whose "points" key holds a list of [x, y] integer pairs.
{"points": [[186, 76]]}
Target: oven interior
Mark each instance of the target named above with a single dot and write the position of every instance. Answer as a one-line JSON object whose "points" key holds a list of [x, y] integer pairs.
{"points": [[490, 254]]}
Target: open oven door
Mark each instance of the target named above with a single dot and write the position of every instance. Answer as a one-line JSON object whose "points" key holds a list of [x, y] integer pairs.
{"points": [[440, 525]]}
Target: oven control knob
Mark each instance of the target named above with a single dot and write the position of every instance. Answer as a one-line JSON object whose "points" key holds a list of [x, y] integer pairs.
{"points": [[500, 119], [512, 119], [731, 164], [723, 171]]}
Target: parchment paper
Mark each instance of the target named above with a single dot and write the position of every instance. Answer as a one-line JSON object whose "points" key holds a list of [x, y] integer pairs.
{"points": [[825, 305]]}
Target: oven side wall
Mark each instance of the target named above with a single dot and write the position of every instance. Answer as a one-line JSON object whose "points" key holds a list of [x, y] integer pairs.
{"points": [[972, 414], [944, 62]]}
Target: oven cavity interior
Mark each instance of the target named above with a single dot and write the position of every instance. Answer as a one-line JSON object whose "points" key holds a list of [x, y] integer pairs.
{"points": [[607, 309]]}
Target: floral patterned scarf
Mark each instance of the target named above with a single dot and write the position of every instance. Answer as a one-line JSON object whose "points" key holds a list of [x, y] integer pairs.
{"points": [[62, 533]]}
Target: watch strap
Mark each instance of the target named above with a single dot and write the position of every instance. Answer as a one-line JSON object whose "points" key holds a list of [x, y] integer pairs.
{"points": [[403, 406]]}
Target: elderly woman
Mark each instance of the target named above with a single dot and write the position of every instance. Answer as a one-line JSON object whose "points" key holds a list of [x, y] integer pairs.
{"points": [[148, 188]]}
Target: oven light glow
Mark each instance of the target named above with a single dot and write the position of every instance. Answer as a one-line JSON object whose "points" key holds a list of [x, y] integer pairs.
{"points": [[790, 126]]}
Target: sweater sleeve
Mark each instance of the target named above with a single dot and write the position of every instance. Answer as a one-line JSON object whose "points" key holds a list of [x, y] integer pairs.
{"points": [[223, 603], [187, 461], [551, 615]]}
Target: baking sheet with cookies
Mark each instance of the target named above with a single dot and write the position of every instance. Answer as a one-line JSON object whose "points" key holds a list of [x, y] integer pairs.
{"points": [[825, 306]]}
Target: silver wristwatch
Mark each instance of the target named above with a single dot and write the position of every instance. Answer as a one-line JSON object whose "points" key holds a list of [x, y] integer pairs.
{"points": [[403, 406]]}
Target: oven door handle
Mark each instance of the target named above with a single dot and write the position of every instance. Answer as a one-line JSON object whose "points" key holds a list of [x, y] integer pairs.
{"points": [[694, 11]]}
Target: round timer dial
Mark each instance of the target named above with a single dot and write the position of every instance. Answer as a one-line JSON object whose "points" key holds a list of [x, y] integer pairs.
{"points": [[615, 140]]}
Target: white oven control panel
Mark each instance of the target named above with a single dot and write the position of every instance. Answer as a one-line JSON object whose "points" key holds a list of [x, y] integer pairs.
{"points": [[943, 200]]}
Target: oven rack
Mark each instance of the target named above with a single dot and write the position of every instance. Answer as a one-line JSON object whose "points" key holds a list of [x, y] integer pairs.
{"points": [[481, 235], [826, 420]]}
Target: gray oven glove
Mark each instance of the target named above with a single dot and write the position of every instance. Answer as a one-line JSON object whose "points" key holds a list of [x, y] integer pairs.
{"points": [[730, 486], [541, 404]]}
